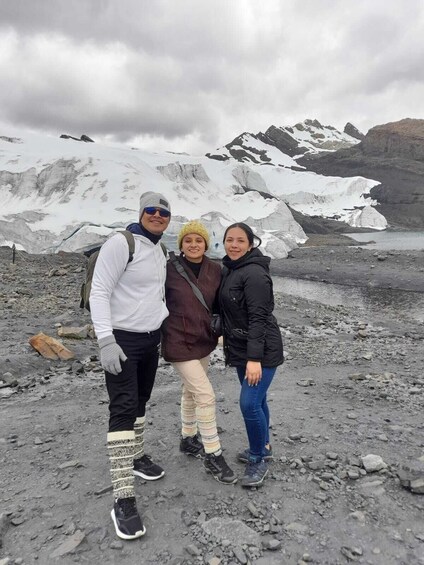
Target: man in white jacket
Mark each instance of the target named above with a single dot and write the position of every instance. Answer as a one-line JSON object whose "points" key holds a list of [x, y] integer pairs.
{"points": [[128, 307]]}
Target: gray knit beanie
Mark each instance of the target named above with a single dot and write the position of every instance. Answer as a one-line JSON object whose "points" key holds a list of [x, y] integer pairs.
{"points": [[154, 200]]}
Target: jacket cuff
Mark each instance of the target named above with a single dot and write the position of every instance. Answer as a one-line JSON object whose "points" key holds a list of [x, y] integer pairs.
{"points": [[108, 340]]}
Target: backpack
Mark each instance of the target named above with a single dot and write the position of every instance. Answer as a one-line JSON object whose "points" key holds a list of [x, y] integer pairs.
{"points": [[92, 255]]}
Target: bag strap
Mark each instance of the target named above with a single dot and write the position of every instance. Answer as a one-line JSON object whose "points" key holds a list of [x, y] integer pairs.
{"points": [[131, 243], [180, 269], [164, 249]]}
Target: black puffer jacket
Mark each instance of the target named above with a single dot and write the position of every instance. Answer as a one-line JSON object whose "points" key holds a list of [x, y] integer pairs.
{"points": [[246, 301]]}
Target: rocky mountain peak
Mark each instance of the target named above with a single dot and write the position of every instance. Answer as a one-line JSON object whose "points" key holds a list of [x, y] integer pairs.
{"points": [[353, 131], [84, 138], [282, 139], [310, 124], [10, 139], [403, 139], [393, 155]]}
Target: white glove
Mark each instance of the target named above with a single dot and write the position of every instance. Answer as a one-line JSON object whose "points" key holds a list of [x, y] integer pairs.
{"points": [[111, 355]]}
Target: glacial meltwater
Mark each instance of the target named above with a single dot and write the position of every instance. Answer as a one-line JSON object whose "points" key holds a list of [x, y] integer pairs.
{"points": [[396, 302], [395, 240], [401, 303]]}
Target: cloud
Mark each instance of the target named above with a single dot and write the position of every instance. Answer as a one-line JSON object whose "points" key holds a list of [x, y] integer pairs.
{"points": [[192, 75]]}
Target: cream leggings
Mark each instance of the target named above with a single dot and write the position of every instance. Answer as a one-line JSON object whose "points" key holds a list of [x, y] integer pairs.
{"points": [[198, 411]]}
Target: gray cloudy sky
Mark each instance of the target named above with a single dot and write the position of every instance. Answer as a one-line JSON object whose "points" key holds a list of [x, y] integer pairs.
{"points": [[192, 74]]}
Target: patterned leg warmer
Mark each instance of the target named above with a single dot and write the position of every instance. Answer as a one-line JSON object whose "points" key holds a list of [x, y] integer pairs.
{"points": [[120, 447], [206, 420], [188, 415], [139, 437]]}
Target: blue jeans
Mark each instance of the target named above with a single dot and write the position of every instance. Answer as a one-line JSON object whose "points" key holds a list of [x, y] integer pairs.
{"points": [[254, 407]]}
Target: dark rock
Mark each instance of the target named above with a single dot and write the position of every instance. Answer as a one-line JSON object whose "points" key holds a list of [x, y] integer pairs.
{"points": [[351, 553], [82, 138], [282, 140], [353, 131], [66, 136]]}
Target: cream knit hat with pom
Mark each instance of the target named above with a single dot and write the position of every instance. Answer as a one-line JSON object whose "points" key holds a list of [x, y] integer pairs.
{"points": [[193, 227]]}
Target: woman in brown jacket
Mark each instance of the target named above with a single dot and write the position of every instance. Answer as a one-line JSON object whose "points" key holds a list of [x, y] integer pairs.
{"points": [[187, 342]]}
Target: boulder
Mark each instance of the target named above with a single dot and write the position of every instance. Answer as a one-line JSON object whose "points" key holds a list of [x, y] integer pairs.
{"points": [[373, 463], [49, 347]]}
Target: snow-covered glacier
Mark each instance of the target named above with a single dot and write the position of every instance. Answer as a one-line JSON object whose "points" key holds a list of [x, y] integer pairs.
{"points": [[61, 194]]}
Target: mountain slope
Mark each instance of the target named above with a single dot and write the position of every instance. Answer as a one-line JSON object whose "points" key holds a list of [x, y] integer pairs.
{"points": [[281, 145], [392, 154], [61, 194]]}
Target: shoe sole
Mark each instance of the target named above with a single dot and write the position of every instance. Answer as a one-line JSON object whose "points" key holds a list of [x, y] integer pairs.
{"points": [[257, 484], [199, 455], [147, 477], [138, 534], [233, 482], [246, 460]]}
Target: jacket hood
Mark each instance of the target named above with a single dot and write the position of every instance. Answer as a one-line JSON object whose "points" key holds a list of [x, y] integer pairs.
{"points": [[135, 228], [255, 256]]}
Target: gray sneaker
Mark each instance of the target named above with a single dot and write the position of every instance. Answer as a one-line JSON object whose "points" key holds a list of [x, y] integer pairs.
{"points": [[243, 456], [254, 474]]}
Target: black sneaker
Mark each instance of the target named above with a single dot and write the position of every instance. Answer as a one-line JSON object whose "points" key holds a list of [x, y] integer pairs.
{"points": [[126, 519], [254, 474], [243, 456], [146, 469], [217, 465], [192, 446]]}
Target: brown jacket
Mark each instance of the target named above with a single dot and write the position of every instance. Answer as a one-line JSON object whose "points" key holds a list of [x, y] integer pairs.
{"points": [[186, 333]]}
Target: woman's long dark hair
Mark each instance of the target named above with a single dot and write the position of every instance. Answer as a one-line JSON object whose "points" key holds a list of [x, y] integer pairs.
{"points": [[247, 230]]}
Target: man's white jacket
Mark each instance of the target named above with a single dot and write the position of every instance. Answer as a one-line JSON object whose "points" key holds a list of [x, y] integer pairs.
{"points": [[128, 296]]}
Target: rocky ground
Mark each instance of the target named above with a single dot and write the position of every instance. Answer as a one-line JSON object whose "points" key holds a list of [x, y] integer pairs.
{"points": [[347, 481], [336, 259]]}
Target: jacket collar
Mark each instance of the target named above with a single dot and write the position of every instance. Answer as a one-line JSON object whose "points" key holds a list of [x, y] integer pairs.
{"points": [[138, 229]]}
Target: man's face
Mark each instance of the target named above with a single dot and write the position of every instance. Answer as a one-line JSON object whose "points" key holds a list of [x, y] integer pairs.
{"points": [[152, 220]]}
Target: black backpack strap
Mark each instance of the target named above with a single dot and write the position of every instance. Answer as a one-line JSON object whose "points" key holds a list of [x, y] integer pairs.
{"points": [[180, 269]]}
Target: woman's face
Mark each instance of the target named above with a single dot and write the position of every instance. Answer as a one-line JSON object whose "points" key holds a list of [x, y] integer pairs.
{"points": [[236, 243], [193, 246]]}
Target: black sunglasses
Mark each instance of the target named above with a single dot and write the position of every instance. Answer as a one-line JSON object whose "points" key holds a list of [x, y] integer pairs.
{"points": [[152, 211]]}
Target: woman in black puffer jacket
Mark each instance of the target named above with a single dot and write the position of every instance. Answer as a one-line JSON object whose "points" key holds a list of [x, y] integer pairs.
{"points": [[252, 340]]}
